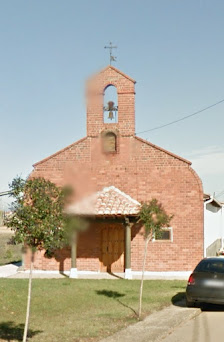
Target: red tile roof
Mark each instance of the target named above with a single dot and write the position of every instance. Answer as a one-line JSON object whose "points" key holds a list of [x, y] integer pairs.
{"points": [[108, 202]]}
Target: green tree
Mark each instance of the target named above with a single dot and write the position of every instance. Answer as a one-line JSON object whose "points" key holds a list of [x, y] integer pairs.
{"points": [[154, 218], [38, 220]]}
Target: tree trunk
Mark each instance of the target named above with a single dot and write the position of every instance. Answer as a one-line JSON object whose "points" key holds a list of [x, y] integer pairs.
{"points": [[143, 272], [28, 299]]}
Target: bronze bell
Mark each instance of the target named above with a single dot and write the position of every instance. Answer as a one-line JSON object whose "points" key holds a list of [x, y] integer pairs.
{"points": [[111, 115]]}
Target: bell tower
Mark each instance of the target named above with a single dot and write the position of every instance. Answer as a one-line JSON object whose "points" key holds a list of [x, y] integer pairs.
{"points": [[112, 116]]}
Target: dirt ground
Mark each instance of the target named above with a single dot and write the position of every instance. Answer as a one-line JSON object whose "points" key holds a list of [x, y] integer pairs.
{"points": [[5, 230]]}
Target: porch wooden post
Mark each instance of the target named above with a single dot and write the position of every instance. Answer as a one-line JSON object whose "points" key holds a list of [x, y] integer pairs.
{"points": [[73, 271], [128, 225]]}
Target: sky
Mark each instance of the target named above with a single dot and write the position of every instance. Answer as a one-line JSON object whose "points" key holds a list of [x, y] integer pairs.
{"points": [[173, 49]]}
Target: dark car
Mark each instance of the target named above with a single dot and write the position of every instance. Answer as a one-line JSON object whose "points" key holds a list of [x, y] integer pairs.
{"points": [[206, 283]]}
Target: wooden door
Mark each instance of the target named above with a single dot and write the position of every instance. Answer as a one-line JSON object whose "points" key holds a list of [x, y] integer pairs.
{"points": [[112, 247]]}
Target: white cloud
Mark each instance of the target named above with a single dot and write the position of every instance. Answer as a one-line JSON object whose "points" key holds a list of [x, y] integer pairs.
{"points": [[209, 165], [206, 150], [208, 161]]}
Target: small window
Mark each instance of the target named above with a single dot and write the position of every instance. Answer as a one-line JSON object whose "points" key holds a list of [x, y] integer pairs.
{"points": [[166, 234], [110, 142]]}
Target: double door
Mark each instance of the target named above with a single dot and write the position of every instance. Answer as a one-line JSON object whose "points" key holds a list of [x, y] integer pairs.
{"points": [[112, 248]]}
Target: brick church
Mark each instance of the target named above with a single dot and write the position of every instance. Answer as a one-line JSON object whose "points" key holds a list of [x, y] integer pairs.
{"points": [[112, 172]]}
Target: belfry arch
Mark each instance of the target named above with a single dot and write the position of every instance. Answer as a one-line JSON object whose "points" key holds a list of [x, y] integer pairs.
{"points": [[110, 104], [110, 85]]}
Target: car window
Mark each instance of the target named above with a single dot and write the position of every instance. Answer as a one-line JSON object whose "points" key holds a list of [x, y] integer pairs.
{"points": [[210, 266]]}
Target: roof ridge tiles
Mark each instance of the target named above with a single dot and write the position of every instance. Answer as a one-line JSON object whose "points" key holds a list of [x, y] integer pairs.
{"points": [[109, 201]]}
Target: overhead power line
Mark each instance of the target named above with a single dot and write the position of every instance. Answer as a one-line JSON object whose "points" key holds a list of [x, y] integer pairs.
{"points": [[183, 118], [220, 194]]}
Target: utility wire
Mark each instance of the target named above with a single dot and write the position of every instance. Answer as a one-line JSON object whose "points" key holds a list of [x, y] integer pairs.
{"points": [[220, 194], [183, 118]]}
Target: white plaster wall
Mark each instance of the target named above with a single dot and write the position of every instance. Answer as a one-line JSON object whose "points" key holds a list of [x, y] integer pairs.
{"points": [[213, 224]]}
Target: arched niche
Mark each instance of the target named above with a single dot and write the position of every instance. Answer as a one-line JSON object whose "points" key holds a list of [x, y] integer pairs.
{"points": [[110, 104], [109, 142]]}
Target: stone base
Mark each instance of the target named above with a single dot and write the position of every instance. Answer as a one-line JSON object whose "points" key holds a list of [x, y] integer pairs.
{"points": [[128, 273], [73, 273]]}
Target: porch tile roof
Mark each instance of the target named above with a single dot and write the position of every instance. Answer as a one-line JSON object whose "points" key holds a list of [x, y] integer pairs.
{"points": [[108, 202]]}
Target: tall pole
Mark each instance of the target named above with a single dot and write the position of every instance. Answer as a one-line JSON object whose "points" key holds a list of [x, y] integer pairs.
{"points": [[128, 225], [73, 271]]}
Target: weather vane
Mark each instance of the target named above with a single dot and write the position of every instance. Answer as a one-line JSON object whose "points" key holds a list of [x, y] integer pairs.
{"points": [[111, 47]]}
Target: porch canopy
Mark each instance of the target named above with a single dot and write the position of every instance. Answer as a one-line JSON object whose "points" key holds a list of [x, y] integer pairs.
{"points": [[109, 203]]}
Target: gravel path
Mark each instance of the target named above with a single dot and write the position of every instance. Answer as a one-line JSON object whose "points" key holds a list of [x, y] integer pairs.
{"points": [[8, 270]]}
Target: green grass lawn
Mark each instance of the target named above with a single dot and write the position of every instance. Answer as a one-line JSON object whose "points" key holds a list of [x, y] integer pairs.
{"points": [[8, 253], [78, 310]]}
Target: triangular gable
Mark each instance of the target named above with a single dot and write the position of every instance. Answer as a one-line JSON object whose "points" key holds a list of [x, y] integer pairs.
{"points": [[163, 150], [58, 152], [116, 70]]}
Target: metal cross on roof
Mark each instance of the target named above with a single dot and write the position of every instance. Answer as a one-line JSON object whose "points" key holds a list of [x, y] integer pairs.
{"points": [[111, 47]]}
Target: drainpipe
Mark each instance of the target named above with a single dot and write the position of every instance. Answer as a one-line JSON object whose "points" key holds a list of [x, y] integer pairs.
{"points": [[206, 202]]}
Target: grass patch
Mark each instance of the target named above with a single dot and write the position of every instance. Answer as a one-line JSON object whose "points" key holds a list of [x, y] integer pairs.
{"points": [[9, 253], [78, 310]]}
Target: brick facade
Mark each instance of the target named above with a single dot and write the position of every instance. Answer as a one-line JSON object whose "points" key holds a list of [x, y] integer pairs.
{"points": [[138, 168]]}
